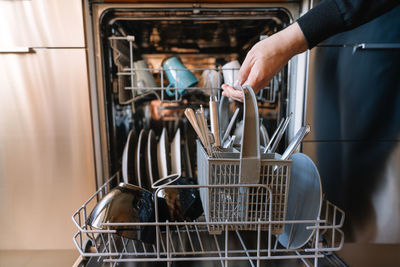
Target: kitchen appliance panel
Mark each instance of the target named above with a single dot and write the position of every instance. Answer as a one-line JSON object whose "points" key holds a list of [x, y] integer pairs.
{"points": [[354, 93], [191, 1], [41, 23], [365, 185], [46, 152]]}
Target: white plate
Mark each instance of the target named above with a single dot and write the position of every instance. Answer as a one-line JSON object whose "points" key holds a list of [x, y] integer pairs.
{"points": [[264, 138], [176, 167], [151, 158], [128, 174], [162, 154], [139, 160], [304, 201]]}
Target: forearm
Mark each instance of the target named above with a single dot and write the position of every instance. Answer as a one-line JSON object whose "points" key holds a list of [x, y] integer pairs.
{"points": [[292, 40]]}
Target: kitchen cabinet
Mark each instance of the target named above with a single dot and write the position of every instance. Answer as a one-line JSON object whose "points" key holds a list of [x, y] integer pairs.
{"points": [[41, 23], [46, 155], [46, 152]]}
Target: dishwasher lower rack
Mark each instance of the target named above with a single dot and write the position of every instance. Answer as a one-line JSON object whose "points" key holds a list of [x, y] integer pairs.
{"points": [[192, 242]]}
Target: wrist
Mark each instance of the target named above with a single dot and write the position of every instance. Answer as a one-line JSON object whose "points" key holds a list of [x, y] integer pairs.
{"points": [[293, 40]]}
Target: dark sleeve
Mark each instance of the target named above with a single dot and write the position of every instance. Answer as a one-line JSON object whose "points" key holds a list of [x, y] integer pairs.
{"points": [[334, 16]]}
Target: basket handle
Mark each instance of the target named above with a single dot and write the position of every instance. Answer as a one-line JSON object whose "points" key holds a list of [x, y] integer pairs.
{"points": [[250, 163]]}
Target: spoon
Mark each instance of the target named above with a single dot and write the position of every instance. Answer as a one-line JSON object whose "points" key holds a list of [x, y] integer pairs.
{"points": [[273, 136], [189, 113], [281, 132], [295, 141]]}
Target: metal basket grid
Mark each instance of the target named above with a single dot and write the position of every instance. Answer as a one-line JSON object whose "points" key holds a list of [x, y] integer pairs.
{"points": [[236, 204], [192, 241], [129, 92]]}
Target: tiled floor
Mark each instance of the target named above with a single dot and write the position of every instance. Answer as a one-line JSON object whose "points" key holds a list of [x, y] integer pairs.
{"points": [[38, 258], [371, 255], [355, 255]]}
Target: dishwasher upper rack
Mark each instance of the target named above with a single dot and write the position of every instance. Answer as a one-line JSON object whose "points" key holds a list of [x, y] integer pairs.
{"points": [[191, 241], [126, 73]]}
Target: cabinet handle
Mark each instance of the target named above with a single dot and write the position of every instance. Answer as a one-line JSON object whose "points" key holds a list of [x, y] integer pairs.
{"points": [[382, 46], [17, 50]]}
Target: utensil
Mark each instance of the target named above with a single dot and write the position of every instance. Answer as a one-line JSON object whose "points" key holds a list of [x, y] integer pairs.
{"points": [[151, 158], [223, 114], [189, 113], [215, 121], [230, 143], [230, 125], [203, 126], [274, 135], [128, 203], [295, 141], [304, 201], [162, 154], [176, 166], [280, 133], [207, 135], [128, 157]]}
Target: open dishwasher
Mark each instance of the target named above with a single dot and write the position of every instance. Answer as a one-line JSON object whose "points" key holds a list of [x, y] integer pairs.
{"points": [[228, 222]]}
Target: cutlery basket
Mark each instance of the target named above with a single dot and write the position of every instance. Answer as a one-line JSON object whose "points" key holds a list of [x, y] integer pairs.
{"points": [[265, 179]]}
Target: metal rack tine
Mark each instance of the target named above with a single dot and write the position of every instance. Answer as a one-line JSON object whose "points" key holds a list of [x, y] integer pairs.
{"points": [[111, 248], [180, 238], [124, 244], [190, 238], [198, 236], [171, 240], [134, 246], [244, 247], [219, 250], [144, 248], [162, 242]]}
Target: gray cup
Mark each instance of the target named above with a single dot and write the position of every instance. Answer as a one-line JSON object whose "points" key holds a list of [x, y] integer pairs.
{"points": [[144, 80]]}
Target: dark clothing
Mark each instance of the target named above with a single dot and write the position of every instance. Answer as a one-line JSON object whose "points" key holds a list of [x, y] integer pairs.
{"points": [[357, 118], [334, 16]]}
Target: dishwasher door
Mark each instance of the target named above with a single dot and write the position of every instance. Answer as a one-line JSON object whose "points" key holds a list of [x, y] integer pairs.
{"points": [[204, 37]]}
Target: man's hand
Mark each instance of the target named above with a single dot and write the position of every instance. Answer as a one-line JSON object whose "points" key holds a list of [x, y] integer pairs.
{"points": [[266, 58]]}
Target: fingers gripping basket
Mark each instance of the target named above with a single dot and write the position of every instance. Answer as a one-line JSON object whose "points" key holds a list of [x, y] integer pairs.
{"points": [[265, 180]]}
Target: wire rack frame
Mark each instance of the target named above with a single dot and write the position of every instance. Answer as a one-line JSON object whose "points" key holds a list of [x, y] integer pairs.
{"points": [[128, 76], [191, 241]]}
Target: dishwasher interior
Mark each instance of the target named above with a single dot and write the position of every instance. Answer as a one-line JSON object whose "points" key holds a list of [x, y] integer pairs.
{"points": [[205, 43], [204, 40]]}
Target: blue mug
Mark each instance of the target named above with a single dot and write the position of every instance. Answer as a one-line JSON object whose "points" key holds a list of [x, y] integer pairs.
{"points": [[178, 75]]}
